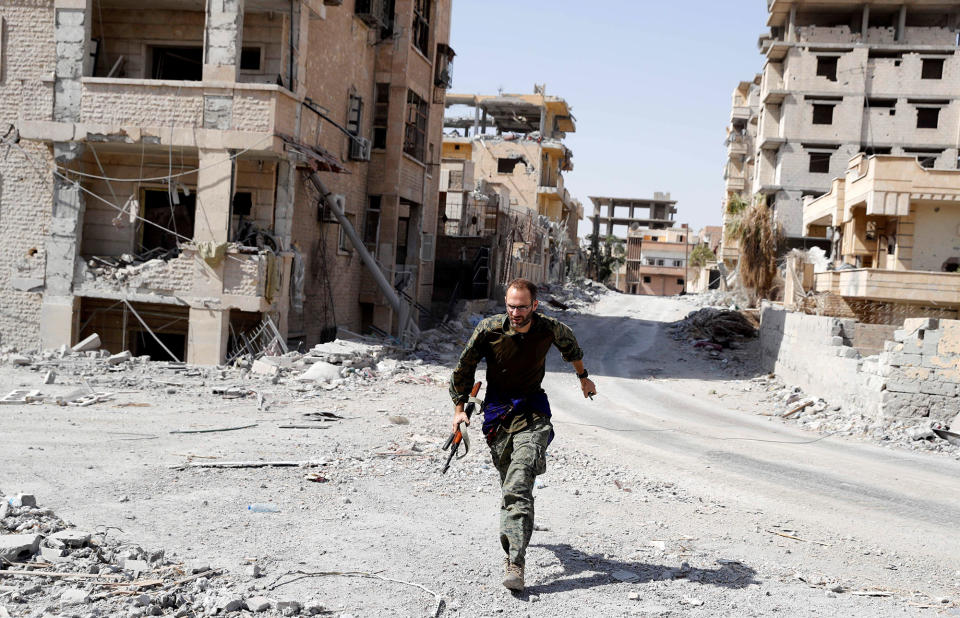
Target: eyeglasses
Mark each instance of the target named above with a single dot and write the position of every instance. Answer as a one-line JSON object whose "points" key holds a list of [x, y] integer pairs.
{"points": [[519, 308]]}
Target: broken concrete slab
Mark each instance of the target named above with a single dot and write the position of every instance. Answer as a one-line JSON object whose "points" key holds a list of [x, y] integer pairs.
{"points": [[122, 357], [258, 604], [320, 371], [19, 360], [71, 537], [50, 377], [264, 367], [20, 396], [16, 547], [51, 554], [74, 596], [90, 343]]}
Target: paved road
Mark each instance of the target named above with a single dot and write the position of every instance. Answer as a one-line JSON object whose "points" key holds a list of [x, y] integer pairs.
{"points": [[834, 488]]}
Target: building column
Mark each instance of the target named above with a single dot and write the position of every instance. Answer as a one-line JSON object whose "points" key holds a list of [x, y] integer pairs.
{"points": [[902, 23], [285, 200], [865, 23], [209, 327], [207, 336], [58, 310], [222, 40]]}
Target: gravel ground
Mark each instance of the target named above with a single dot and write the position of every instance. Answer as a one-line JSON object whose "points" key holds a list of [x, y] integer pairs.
{"points": [[372, 528]]}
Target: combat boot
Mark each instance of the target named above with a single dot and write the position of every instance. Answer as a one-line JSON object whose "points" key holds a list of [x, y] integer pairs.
{"points": [[512, 575]]}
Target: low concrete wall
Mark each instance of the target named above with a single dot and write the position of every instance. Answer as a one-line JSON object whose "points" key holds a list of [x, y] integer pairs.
{"points": [[813, 352], [917, 374]]}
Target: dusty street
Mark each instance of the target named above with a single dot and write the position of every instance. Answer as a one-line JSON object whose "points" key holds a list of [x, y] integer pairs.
{"points": [[669, 494]]}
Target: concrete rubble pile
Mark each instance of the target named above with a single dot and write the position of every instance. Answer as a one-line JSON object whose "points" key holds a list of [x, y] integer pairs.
{"points": [[816, 414], [717, 326], [86, 374], [122, 268], [48, 567], [718, 298]]}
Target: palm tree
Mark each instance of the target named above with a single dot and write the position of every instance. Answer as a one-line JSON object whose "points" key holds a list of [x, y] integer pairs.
{"points": [[758, 235]]}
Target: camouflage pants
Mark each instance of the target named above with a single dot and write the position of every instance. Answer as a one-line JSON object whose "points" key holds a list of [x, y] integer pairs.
{"points": [[519, 458]]}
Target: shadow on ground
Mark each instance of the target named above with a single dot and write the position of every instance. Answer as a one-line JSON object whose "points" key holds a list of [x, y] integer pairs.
{"points": [[583, 571]]}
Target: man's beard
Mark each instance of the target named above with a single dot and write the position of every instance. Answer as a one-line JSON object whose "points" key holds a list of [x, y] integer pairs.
{"points": [[523, 323]]}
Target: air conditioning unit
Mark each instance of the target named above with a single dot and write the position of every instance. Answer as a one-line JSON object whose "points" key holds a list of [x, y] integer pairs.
{"points": [[359, 149]]}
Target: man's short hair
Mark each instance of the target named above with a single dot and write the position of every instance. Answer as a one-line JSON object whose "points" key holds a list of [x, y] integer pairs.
{"points": [[524, 284]]}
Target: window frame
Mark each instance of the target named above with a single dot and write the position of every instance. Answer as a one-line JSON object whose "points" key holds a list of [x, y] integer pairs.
{"points": [[819, 155], [415, 126]]}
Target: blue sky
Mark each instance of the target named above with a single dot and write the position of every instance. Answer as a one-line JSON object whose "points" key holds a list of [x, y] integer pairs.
{"points": [[649, 83]]}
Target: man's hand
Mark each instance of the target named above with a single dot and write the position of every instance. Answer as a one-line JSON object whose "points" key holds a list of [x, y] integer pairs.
{"points": [[588, 387], [459, 416]]}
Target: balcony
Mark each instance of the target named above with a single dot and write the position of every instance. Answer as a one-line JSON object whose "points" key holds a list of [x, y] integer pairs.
{"points": [[740, 112], [169, 112], [250, 281], [735, 183], [737, 147], [900, 286]]}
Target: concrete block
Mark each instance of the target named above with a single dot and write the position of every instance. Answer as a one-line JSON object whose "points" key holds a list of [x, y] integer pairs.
{"points": [[21, 500], [74, 596], [51, 554], [139, 566], [258, 604], [72, 537], [913, 345], [918, 324], [903, 359], [320, 372], [931, 341], [935, 387], [848, 353], [50, 377], [289, 608], [897, 386], [122, 357], [836, 341], [899, 335], [90, 343], [16, 547], [264, 367]]}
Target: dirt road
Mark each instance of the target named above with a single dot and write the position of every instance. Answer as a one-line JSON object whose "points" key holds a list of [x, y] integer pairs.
{"points": [[667, 495]]}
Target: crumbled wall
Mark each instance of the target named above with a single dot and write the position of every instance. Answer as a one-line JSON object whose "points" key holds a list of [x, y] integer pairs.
{"points": [[917, 374], [923, 370], [25, 192]]}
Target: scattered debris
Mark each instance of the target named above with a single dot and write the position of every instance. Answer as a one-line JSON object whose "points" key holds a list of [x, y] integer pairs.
{"points": [[717, 326], [214, 430]]}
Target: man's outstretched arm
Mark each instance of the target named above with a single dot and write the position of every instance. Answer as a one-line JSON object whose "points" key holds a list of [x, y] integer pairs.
{"points": [[586, 384], [571, 352]]}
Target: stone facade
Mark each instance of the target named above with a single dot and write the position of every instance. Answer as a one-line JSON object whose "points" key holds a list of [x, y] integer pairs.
{"points": [[230, 146]]}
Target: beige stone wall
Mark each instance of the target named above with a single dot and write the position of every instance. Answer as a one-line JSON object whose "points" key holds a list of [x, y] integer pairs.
{"points": [[936, 235], [25, 192]]}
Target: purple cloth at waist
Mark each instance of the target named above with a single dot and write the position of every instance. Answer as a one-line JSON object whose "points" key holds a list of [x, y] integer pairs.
{"points": [[497, 408]]}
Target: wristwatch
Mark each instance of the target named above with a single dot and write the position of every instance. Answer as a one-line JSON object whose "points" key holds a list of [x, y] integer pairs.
{"points": [[583, 375]]}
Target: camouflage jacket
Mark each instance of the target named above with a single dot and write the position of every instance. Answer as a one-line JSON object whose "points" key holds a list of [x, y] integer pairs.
{"points": [[515, 361]]}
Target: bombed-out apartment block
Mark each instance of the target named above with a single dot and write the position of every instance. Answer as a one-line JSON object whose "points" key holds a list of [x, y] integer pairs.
{"points": [[741, 157], [513, 141], [895, 229], [848, 76], [164, 163], [657, 248]]}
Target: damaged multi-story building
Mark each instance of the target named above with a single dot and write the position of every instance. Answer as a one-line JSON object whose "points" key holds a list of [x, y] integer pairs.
{"points": [[656, 247], [845, 77], [178, 172], [505, 154], [741, 157]]}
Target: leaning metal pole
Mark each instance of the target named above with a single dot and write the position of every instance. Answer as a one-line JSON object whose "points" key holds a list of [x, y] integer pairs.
{"points": [[398, 304]]}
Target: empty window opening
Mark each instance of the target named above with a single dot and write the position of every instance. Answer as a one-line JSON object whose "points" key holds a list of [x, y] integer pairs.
{"points": [[646, 279], [403, 228], [819, 162], [881, 103], [679, 281], [506, 165], [822, 113], [932, 68], [871, 233], [415, 130], [660, 262], [251, 59], [381, 110], [170, 220], [177, 63], [926, 158], [421, 26], [120, 330], [874, 150], [827, 67], [928, 117], [371, 224], [951, 265]]}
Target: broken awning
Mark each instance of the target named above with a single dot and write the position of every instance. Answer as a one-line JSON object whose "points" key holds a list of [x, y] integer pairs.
{"points": [[315, 156]]}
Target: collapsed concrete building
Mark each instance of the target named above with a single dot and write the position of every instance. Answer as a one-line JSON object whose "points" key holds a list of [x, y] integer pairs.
{"points": [[845, 77], [741, 157], [175, 172], [511, 146], [657, 248]]}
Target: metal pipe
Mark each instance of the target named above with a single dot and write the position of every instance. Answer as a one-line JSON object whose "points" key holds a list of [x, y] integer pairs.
{"points": [[398, 305]]}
